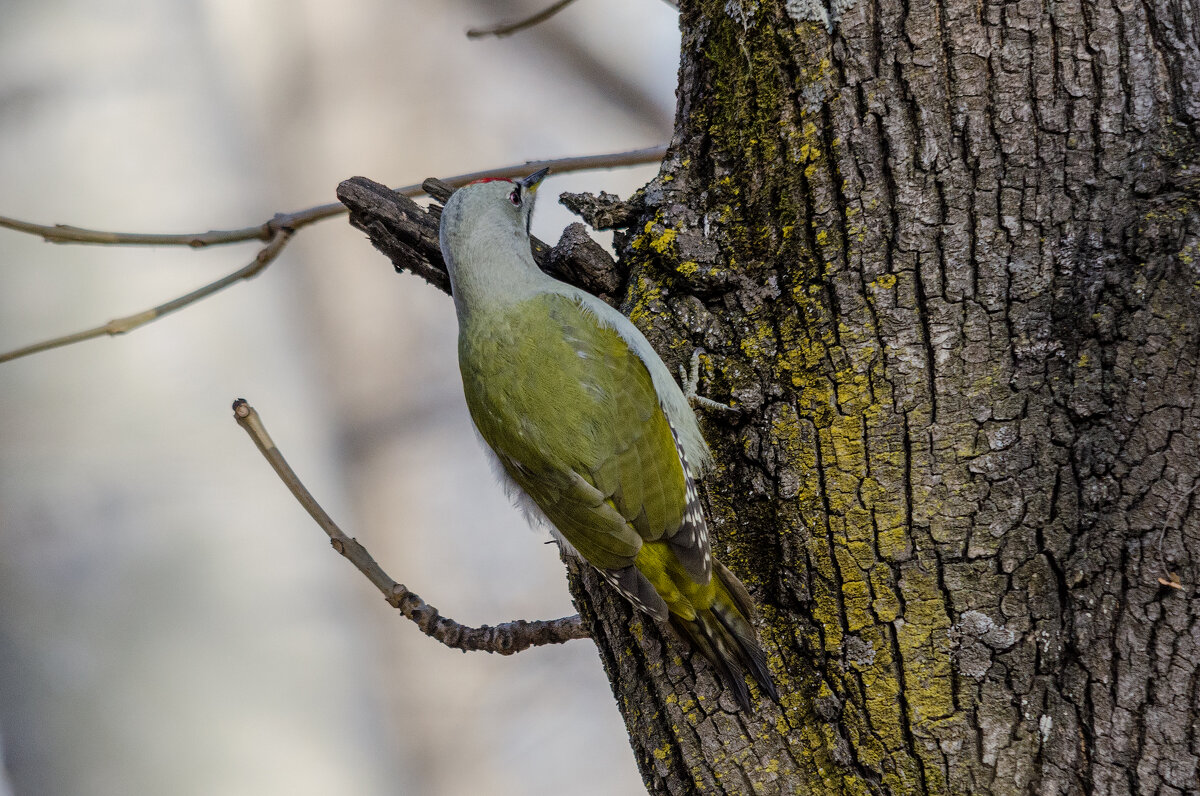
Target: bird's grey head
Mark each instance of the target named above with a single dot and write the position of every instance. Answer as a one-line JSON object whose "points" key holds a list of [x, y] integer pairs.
{"points": [[485, 228], [495, 203]]}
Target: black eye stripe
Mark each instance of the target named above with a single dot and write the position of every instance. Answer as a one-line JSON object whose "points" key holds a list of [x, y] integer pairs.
{"points": [[515, 196]]}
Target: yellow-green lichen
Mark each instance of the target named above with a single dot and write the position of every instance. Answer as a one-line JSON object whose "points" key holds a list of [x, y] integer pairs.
{"points": [[662, 243], [646, 294]]}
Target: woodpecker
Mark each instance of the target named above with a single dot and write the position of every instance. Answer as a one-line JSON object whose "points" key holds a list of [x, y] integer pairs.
{"points": [[590, 430]]}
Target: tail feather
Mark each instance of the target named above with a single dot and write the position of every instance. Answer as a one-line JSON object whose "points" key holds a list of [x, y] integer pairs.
{"points": [[699, 632], [751, 655], [722, 633], [737, 592]]}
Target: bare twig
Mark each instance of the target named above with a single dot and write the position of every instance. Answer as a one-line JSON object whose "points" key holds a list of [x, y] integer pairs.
{"points": [[509, 28], [276, 232], [64, 233], [505, 639], [117, 326], [614, 160], [570, 49]]}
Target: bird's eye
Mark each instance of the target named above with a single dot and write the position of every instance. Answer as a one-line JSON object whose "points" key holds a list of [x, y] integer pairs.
{"points": [[515, 197]]}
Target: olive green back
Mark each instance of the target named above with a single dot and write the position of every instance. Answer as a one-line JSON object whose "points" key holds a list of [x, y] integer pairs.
{"points": [[573, 416]]}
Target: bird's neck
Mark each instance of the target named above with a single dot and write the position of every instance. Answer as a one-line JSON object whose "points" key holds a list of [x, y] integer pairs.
{"points": [[491, 272]]}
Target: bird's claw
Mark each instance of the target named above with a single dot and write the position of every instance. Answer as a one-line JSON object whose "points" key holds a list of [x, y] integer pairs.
{"points": [[690, 377]]}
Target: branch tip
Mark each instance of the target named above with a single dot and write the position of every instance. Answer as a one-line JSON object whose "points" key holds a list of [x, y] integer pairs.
{"points": [[509, 28]]}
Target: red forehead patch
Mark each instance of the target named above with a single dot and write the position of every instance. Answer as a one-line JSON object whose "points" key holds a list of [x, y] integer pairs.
{"points": [[490, 179]]}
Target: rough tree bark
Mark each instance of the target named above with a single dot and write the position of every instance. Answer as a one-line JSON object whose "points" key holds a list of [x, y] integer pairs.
{"points": [[945, 257]]}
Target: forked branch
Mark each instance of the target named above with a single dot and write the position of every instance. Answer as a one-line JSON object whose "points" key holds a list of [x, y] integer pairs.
{"points": [[276, 233], [505, 639], [266, 255], [65, 233]]}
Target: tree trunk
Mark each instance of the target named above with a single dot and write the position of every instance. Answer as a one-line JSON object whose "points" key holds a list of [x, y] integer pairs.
{"points": [[945, 257]]}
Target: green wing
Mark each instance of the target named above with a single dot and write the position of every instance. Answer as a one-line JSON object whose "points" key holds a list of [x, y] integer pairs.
{"points": [[573, 416]]}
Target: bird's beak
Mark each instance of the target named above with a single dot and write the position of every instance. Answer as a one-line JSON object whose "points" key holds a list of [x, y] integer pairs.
{"points": [[532, 182]]}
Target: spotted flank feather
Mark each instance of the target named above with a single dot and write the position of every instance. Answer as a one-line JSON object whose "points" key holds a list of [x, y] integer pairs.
{"points": [[689, 542], [634, 587]]}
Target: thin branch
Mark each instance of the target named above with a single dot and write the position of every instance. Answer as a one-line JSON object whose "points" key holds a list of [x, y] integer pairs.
{"points": [[65, 233], [569, 50], [276, 232], [266, 255], [613, 160], [509, 28], [505, 639]]}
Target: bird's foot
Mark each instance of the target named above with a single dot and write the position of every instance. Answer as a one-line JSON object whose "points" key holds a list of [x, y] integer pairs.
{"points": [[690, 377]]}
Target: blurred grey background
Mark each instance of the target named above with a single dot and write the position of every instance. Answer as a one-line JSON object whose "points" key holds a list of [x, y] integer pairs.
{"points": [[170, 620]]}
